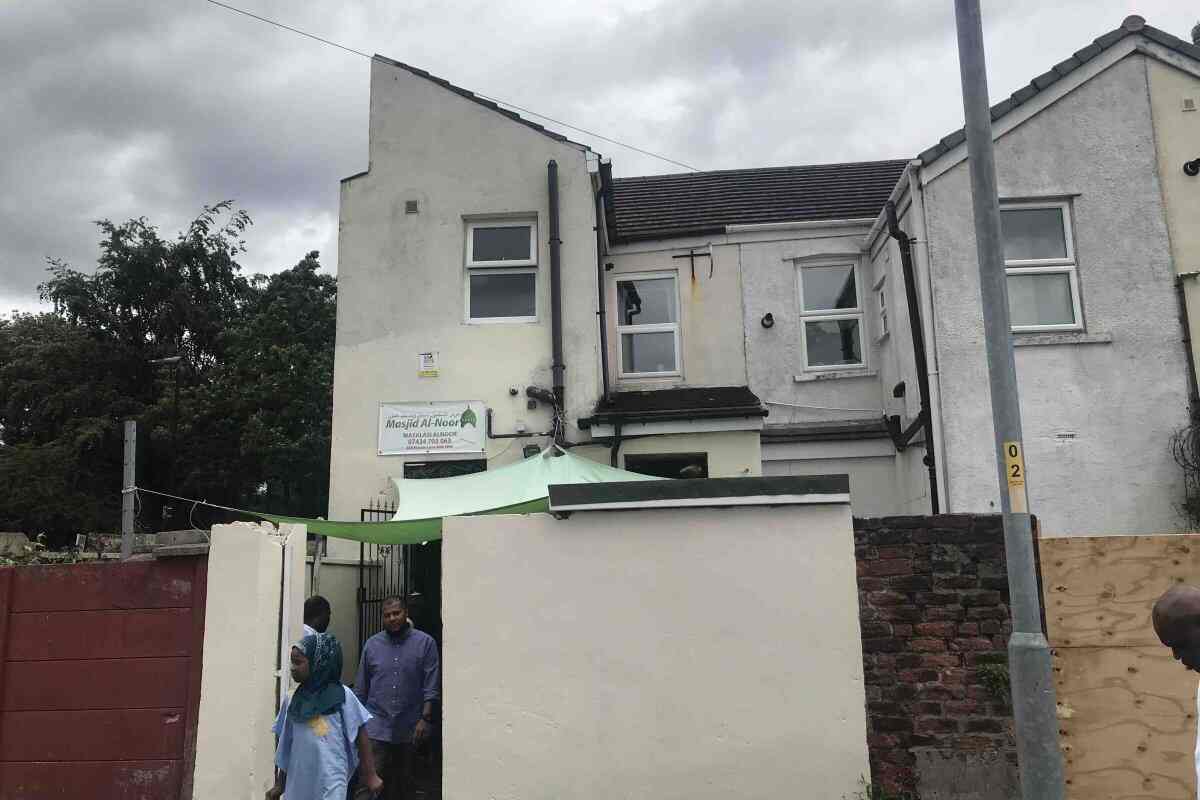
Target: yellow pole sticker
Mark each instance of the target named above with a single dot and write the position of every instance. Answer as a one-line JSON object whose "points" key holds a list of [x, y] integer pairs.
{"points": [[1014, 472]]}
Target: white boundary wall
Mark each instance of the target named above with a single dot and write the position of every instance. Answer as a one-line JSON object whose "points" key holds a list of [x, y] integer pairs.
{"points": [[250, 568], [678, 653]]}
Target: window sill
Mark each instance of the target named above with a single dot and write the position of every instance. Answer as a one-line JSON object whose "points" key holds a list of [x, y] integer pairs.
{"points": [[1052, 339], [834, 375]]}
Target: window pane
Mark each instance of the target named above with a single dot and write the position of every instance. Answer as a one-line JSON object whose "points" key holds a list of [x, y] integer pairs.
{"points": [[646, 302], [833, 342], [826, 288], [502, 295], [1033, 233], [1041, 299], [648, 352], [500, 244]]}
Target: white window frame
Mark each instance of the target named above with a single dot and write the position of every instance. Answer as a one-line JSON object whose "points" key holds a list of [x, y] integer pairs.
{"points": [[511, 267], [830, 315], [1049, 266], [655, 327], [503, 223], [884, 325], [470, 320]]}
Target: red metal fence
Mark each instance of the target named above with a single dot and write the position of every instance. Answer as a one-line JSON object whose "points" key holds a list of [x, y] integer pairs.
{"points": [[100, 679]]}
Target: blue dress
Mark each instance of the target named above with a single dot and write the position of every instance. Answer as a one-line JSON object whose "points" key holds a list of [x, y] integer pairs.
{"points": [[319, 755]]}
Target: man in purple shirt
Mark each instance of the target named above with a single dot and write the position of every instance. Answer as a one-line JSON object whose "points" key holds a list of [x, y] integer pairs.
{"points": [[398, 682]]}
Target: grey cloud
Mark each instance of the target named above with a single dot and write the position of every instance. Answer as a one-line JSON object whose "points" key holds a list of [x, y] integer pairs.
{"points": [[125, 108]]}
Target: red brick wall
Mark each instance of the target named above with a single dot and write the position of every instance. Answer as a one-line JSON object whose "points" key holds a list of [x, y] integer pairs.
{"points": [[933, 602]]}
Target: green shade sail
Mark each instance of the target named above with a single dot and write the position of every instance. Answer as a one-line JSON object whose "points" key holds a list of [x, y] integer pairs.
{"points": [[521, 488]]}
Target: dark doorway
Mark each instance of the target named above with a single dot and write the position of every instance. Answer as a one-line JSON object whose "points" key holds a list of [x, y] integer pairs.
{"points": [[669, 465], [413, 571]]}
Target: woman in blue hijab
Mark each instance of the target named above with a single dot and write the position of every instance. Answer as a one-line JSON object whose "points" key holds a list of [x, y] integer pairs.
{"points": [[321, 730]]}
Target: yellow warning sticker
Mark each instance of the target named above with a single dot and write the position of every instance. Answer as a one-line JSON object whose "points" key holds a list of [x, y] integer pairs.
{"points": [[1014, 472]]}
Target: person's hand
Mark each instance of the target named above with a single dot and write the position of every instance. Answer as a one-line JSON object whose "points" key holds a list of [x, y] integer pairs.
{"points": [[374, 784], [421, 733], [274, 793]]}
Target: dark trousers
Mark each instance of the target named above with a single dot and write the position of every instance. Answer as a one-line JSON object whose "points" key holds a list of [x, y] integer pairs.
{"points": [[393, 762]]}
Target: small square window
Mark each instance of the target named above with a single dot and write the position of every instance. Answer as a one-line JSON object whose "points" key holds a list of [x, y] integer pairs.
{"points": [[501, 244], [833, 342], [508, 295], [1033, 233]]}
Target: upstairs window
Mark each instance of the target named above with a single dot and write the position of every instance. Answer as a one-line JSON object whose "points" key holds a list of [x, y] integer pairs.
{"points": [[502, 271], [831, 317], [647, 325], [1039, 259]]}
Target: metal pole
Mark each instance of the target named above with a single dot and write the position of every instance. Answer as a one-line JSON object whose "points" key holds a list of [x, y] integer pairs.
{"points": [[1030, 666], [129, 482]]}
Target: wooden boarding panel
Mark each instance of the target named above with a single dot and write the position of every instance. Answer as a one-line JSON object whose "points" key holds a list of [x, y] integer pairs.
{"points": [[94, 587], [96, 684], [134, 735], [37, 636], [1099, 590], [96, 780], [1127, 721]]}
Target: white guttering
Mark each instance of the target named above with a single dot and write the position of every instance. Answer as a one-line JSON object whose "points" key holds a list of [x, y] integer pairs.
{"points": [[798, 226]]}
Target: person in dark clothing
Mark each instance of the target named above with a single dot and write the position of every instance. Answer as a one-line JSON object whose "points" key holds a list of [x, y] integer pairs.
{"points": [[398, 682], [317, 613]]}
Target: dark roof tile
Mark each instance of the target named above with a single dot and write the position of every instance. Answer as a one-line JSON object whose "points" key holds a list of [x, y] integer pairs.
{"points": [[1133, 25], [1067, 65], [1045, 79], [1088, 53], [665, 206]]}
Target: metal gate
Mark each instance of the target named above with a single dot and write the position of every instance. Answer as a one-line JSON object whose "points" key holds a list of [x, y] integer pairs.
{"points": [[381, 573], [410, 571]]}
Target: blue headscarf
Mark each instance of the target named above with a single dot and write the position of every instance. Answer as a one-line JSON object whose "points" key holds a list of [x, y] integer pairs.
{"points": [[322, 693]]}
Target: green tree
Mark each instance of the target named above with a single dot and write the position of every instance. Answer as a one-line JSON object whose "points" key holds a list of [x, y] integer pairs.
{"points": [[268, 408], [242, 419]]}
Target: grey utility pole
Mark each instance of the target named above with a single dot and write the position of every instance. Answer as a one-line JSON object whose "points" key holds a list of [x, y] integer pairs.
{"points": [[130, 480], [1030, 666]]}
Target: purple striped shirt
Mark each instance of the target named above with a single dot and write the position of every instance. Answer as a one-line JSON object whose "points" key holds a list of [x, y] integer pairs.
{"points": [[397, 675]]}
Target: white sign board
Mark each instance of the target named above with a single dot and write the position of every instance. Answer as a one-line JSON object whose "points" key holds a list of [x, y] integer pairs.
{"points": [[427, 365], [409, 429]]}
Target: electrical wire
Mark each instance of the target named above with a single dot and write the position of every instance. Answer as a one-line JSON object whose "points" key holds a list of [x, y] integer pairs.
{"points": [[497, 100], [825, 408]]}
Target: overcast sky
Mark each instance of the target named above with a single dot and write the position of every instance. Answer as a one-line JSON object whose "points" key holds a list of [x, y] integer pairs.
{"points": [[117, 108]]}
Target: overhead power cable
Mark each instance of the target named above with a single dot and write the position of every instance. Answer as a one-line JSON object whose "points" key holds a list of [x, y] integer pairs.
{"points": [[496, 100]]}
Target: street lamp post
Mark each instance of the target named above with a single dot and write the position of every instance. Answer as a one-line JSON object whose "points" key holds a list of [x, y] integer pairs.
{"points": [[1030, 664]]}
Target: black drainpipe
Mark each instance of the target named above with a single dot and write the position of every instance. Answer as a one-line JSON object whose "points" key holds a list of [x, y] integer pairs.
{"points": [[918, 342], [1193, 392], [556, 332], [614, 449], [601, 293]]}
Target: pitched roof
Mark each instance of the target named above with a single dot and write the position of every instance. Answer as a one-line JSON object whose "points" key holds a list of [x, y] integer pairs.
{"points": [[1133, 25], [474, 98], [696, 203]]}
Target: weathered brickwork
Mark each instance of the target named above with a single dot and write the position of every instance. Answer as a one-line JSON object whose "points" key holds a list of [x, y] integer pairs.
{"points": [[933, 600]]}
